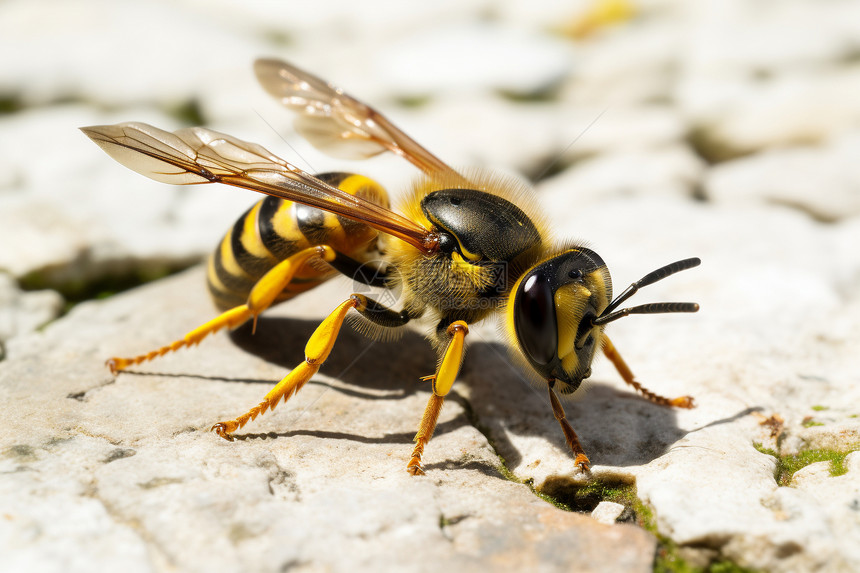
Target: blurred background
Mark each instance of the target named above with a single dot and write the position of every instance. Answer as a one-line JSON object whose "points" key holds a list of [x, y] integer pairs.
{"points": [[707, 103]]}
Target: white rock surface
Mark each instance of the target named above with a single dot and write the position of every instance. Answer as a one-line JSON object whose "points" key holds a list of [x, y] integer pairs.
{"points": [[116, 52], [836, 497], [23, 312], [123, 470], [98, 473], [821, 180], [77, 216], [761, 343], [657, 172], [607, 74], [475, 57], [734, 116], [769, 36]]}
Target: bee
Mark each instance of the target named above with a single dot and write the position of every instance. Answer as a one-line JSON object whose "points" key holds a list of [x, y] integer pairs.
{"points": [[462, 247]]}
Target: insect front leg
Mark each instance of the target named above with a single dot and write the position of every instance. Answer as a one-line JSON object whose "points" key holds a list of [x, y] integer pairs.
{"points": [[612, 353], [442, 381], [580, 459], [264, 293]]}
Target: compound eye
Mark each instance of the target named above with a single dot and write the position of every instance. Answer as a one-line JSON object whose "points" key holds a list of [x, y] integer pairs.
{"points": [[534, 318]]}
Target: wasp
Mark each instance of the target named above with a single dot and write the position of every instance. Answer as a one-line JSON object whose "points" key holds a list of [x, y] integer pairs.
{"points": [[461, 247]]}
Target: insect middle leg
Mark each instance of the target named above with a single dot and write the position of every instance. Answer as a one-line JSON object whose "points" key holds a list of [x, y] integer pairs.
{"points": [[442, 381], [261, 297], [612, 354]]}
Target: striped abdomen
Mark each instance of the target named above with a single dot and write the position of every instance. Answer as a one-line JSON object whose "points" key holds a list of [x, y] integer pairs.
{"points": [[274, 229]]}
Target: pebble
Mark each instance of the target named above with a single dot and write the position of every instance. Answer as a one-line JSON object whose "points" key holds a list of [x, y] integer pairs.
{"points": [[607, 512]]}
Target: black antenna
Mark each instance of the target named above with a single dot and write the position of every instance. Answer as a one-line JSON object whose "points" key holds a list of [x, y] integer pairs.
{"points": [[650, 308], [653, 308]]}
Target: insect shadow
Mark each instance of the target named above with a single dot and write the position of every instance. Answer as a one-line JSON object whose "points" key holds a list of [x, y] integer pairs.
{"points": [[368, 370], [617, 426], [372, 370]]}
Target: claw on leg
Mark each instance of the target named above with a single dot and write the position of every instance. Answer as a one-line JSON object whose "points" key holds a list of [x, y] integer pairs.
{"points": [[229, 319], [685, 402], [580, 459], [224, 429]]}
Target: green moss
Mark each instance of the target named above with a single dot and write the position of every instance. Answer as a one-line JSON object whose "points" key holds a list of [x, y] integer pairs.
{"points": [[678, 565], [547, 93], [550, 168], [506, 473], [584, 498], [10, 104], [820, 408], [79, 290], [711, 148], [767, 451], [810, 423], [278, 38], [787, 465], [567, 496], [669, 560], [413, 101], [727, 567], [188, 112], [796, 462]]}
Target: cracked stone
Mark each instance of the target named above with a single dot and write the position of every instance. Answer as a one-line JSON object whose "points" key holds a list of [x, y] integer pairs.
{"points": [[134, 466], [23, 312]]}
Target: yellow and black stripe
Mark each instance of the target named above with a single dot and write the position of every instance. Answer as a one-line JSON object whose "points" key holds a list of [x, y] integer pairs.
{"points": [[274, 229]]}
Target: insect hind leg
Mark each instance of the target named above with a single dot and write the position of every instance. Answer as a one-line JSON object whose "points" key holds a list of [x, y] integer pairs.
{"points": [[261, 297], [229, 319]]}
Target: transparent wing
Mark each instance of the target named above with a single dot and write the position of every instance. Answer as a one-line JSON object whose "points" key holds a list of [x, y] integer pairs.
{"points": [[197, 155], [338, 124]]}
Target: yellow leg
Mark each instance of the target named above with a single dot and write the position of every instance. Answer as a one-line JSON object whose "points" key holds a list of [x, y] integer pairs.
{"points": [[442, 381], [261, 297], [610, 351], [316, 351], [580, 459]]}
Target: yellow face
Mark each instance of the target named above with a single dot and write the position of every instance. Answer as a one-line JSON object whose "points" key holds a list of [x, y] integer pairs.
{"points": [[550, 315], [576, 305]]}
